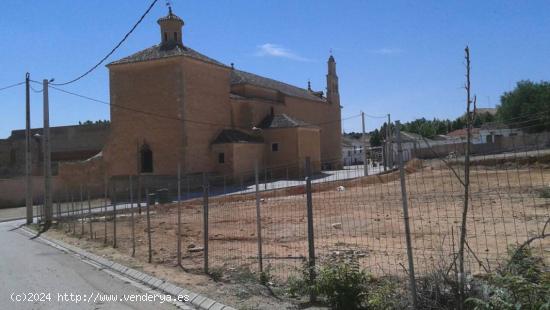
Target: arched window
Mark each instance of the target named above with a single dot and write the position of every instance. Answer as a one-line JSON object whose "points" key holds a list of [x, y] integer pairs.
{"points": [[165, 36], [175, 36], [146, 156]]}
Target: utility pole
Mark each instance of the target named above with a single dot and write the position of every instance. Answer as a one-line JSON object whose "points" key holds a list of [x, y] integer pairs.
{"points": [[388, 144], [47, 159], [364, 138], [28, 179]]}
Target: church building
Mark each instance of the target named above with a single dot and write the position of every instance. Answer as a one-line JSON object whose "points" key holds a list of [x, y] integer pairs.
{"points": [[172, 105]]}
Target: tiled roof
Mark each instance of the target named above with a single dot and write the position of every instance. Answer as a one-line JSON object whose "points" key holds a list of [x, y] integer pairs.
{"points": [[237, 76], [159, 52], [236, 136], [462, 132], [281, 121], [170, 16], [242, 77]]}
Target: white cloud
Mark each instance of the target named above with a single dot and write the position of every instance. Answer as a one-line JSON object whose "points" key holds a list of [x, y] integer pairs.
{"points": [[275, 50], [387, 51]]}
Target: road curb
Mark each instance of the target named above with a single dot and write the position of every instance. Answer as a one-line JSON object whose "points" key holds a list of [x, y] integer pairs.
{"points": [[197, 300]]}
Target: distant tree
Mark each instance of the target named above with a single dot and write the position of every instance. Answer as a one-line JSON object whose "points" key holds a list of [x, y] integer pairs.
{"points": [[375, 138], [89, 122], [354, 135], [528, 105]]}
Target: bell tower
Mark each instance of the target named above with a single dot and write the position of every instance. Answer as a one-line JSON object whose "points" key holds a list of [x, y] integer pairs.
{"points": [[170, 30], [333, 94]]}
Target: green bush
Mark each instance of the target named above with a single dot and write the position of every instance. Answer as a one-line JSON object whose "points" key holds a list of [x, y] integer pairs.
{"points": [[521, 283], [344, 285], [386, 294]]}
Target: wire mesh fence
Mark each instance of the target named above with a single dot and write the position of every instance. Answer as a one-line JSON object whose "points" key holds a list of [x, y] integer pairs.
{"points": [[259, 219]]}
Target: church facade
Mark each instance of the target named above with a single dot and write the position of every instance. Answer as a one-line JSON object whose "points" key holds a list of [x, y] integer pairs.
{"points": [[171, 105]]}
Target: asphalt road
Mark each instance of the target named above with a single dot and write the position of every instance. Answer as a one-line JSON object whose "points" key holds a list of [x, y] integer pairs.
{"points": [[35, 269]]}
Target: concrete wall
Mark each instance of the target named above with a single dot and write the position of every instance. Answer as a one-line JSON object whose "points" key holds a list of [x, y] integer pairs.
{"points": [[518, 143], [68, 143], [12, 191], [89, 173]]}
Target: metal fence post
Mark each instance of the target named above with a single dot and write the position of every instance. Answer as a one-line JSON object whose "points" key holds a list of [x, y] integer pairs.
{"points": [[265, 178], [412, 281], [132, 216], [258, 216], [139, 193], [105, 189], [310, 235], [72, 213], [149, 224], [114, 214], [81, 211], [188, 188], [179, 217], [89, 211], [205, 219]]}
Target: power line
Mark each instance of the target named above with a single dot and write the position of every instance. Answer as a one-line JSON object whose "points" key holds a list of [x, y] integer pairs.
{"points": [[375, 116], [11, 86], [113, 50], [171, 117], [36, 90]]}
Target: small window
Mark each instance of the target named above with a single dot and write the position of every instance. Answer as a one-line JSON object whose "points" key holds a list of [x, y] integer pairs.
{"points": [[275, 147], [175, 36], [221, 158], [165, 37], [146, 159]]}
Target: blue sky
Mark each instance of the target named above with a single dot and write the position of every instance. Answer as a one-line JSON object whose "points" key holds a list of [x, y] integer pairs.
{"points": [[398, 57]]}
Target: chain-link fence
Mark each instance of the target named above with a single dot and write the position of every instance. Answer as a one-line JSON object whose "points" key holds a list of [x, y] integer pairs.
{"points": [[260, 219]]}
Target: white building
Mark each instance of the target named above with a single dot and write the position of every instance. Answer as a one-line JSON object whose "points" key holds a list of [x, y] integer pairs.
{"points": [[353, 150], [492, 133]]}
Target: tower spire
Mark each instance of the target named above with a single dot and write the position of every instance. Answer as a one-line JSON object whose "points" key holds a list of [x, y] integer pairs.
{"points": [[333, 94]]}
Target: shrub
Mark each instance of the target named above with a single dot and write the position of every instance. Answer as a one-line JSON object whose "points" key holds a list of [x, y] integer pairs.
{"points": [[520, 283], [344, 285]]}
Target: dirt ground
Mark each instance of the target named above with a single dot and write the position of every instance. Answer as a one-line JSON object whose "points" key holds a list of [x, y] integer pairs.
{"points": [[362, 220]]}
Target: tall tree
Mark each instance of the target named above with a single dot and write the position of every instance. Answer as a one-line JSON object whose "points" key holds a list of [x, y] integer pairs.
{"points": [[528, 106]]}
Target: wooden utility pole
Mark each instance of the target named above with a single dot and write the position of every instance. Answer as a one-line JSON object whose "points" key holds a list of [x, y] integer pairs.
{"points": [[389, 150], [47, 159], [364, 138], [28, 159]]}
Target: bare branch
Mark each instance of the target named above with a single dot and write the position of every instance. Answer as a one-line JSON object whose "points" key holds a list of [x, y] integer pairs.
{"points": [[542, 235]]}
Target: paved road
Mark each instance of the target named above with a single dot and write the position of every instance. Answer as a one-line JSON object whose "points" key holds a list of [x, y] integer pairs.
{"points": [[29, 266]]}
